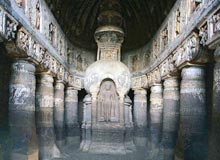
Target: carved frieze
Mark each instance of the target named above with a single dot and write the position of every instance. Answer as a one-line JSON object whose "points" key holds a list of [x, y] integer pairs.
{"points": [[75, 81], [8, 26], [187, 51], [203, 34], [139, 82]]}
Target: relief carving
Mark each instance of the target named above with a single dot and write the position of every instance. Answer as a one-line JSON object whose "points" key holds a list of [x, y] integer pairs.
{"points": [[19, 94], [135, 63], [37, 22], [203, 34], [10, 29], [215, 23], [52, 31], [19, 2], [177, 30], [79, 63], [23, 40], [164, 38], [108, 102]]}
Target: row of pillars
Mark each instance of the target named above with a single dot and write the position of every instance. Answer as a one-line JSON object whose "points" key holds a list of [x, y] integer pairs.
{"points": [[55, 106], [177, 114]]}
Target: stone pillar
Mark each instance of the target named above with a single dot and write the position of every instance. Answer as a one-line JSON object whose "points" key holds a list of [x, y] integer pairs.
{"points": [[22, 86], [171, 105], [45, 122], [193, 118], [86, 123], [156, 114], [214, 143], [22, 111], [129, 127], [59, 112], [71, 116], [140, 117]]}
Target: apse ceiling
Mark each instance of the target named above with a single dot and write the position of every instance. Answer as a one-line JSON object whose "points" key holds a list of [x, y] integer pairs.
{"points": [[142, 18]]}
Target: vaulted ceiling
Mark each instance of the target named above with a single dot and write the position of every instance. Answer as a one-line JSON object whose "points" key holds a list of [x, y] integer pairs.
{"points": [[142, 18]]}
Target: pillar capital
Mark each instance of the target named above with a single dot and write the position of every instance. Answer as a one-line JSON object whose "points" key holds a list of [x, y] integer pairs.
{"points": [[156, 97], [193, 79], [193, 72], [171, 82], [140, 91]]}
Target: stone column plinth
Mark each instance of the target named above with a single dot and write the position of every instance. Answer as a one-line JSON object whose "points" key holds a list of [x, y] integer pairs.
{"points": [[140, 117], [45, 123], [214, 141], [156, 114], [193, 114], [59, 112], [22, 111], [71, 116], [171, 105]]}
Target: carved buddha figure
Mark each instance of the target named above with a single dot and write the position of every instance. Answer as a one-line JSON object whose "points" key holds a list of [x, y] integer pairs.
{"points": [[108, 102]]}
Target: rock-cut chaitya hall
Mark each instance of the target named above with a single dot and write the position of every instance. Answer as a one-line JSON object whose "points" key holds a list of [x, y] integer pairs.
{"points": [[109, 79]]}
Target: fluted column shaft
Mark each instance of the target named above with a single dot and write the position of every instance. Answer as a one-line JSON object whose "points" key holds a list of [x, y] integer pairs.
{"points": [[171, 104], [22, 111], [45, 121], [140, 117], [193, 114], [59, 112], [71, 115]]}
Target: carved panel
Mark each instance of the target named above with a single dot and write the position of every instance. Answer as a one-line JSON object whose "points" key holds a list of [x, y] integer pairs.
{"points": [[203, 34]]}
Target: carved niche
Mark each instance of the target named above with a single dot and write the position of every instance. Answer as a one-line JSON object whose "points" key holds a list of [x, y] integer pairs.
{"points": [[52, 31], [108, 102], [37, 21], [134, 63], [214, 22], [164, 38], [20, 3], [203, 34], [195, 5], [177, 29], [79, 63]]}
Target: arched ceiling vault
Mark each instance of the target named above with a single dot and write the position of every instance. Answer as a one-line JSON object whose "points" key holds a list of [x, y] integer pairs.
{"points": [[142, 18]]}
